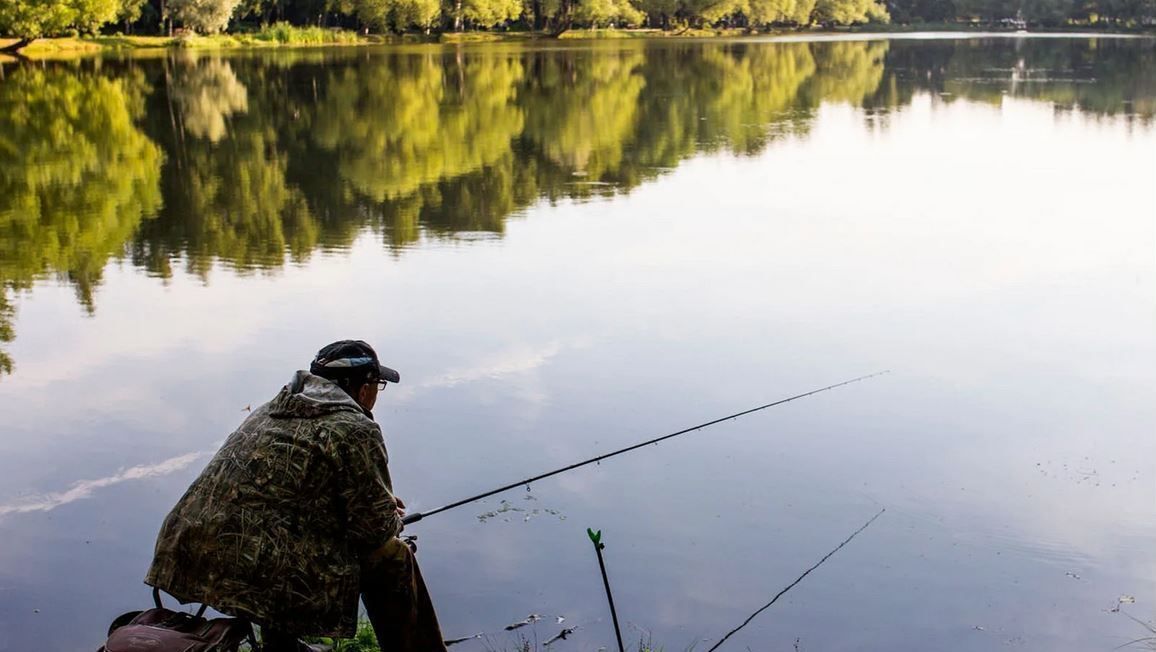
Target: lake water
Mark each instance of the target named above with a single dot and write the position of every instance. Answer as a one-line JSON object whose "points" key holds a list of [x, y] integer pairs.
{"points": [[569, 248]]}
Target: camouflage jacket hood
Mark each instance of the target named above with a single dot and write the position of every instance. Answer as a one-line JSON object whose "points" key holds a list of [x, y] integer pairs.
{"points": [[309, 397], [275, 527]]}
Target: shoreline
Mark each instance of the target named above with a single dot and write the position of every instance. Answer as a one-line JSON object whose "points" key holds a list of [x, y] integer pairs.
{"points": [[71, 47]]}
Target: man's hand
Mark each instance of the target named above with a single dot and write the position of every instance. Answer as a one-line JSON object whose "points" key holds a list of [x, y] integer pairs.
{"points": [[400, 507]]}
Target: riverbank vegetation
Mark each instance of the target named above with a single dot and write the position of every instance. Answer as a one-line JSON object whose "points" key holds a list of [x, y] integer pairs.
{"points": [[364, 640], [320, 22]]}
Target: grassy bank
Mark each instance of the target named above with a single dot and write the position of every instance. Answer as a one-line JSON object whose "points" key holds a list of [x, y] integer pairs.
{"points": [[278, 35], [366, 641], [285, 35], [908, 28]]}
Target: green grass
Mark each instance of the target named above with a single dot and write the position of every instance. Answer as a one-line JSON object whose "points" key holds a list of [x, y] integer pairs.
{"points": [[277, 34], [610, 33], [286, 34], [486, 37], [365, 641], [53, 45], [362, 641]]}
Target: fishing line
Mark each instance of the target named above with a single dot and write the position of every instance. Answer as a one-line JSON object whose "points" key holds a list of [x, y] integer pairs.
{"points": [[798, 579], [414, 518]]}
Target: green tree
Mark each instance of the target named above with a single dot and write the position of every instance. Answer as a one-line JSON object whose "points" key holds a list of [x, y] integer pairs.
{"points": [[398, 15], [659, 13], [599, 13], [766, 12], [486, 13], [849, 12], [206, 16], [988, 10], [1051, 13], [130, 12], [31, 19]]}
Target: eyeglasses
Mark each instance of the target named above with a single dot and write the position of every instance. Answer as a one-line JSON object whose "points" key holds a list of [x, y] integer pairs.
{"points": [[381, 385]]}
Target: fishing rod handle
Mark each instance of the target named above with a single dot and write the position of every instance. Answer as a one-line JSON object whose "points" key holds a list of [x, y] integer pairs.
{"points": [[412, 518]]}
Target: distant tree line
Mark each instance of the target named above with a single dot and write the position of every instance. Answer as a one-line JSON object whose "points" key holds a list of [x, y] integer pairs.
{"points": [[27, 19], [1025, 13], [36, 18]]}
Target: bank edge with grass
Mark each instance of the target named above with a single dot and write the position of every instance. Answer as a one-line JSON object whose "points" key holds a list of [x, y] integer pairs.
{"points": [[284, 35]]}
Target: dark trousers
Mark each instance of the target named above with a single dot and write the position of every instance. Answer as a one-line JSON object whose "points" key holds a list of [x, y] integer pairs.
{"points": [[396, 601]]}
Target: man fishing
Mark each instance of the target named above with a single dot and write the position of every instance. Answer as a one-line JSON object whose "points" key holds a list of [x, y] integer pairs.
{"points": [[294, 518]]}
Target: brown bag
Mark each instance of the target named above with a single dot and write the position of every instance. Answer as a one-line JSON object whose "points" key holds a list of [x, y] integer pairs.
{"points": [[163, 630]]}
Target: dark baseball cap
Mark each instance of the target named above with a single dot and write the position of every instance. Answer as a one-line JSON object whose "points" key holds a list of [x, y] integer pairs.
{"points": [[348, 358]]}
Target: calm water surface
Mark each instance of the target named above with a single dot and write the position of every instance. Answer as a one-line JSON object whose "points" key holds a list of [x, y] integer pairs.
{"points": [[568, 249]]}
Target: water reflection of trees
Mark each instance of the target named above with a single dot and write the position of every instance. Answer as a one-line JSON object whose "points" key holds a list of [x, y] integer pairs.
{"points": [[249, 161], [206, 94], [77, 177], [1102, 77]]}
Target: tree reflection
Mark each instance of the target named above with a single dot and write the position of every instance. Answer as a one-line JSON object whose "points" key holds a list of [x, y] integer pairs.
{"points": [[1101, 77], [7, 333], [206, 94], [582, 110], [77, 176], [417, 120], [250, 161]]}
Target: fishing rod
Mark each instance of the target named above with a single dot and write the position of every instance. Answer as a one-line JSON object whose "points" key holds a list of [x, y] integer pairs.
{"points": [[417, 516]]}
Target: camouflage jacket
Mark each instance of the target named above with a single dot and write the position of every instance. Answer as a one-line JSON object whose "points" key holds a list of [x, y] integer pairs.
{"points": [[274, 528]]}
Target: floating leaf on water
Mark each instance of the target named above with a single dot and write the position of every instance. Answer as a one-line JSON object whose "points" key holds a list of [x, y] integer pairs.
{"points": [[504, 507], [455, 641], [560, 636], [530, 620], [1124, 599]]}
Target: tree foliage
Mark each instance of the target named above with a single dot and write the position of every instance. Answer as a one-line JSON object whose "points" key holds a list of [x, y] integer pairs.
{"points": [[206, 16], [77, 175], [489, 13], [37, 18], [396, 15], [603, 13], [34, 18], [849, 12]]}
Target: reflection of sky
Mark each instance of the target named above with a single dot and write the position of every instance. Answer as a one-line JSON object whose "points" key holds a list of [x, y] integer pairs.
{"points": [[999, 260]]}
